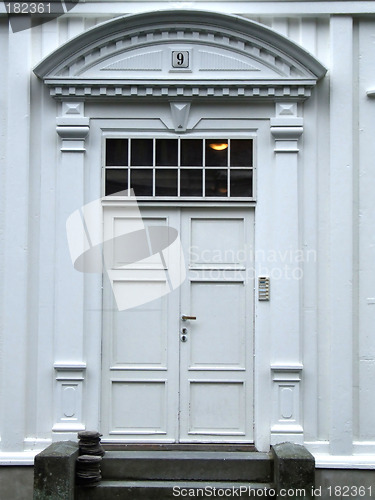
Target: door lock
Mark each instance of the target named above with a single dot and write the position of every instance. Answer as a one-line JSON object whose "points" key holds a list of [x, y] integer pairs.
{"points": [[184, 334]]}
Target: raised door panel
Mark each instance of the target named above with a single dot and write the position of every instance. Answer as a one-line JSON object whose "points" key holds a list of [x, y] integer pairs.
{"points": [[140, 366], [216, 359]]}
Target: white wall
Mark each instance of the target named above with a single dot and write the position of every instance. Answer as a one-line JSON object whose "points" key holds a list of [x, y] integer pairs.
{"points": [[337, 221]]}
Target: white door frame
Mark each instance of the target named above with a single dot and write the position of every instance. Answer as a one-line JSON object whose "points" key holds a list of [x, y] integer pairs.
{"points": [[174, 373]]}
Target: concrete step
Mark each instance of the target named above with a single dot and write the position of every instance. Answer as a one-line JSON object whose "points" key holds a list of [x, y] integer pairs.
{"points": [[165, 490], [187, 465]]}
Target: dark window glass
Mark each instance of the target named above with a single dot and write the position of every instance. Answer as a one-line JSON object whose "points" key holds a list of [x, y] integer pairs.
{"points": [[166, 152], [116, 179], [241, 183], [166, 182], [216, 182], [191, 182], [241, 153], [191, 152], [141, 181], [141, 152], [216, 152], [116, 152]]}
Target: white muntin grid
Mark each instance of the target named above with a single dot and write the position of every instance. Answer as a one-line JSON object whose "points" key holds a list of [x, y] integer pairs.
{"points": [[179, 170]]}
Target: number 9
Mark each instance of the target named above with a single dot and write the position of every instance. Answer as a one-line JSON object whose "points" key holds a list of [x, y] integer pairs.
{"points": [[180, 58]]}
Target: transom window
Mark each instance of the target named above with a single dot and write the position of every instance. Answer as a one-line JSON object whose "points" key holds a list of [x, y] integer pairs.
{"points": [[179, 168]]}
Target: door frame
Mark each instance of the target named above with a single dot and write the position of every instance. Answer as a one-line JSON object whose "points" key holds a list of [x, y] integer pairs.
{"points": [[242, 121], [174, 403]]}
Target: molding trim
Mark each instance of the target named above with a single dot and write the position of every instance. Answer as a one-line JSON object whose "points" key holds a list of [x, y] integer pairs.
{"points": [[69, 396], [209, 89], [286, 419], [286, 127], [73, 127], [113, 59]]}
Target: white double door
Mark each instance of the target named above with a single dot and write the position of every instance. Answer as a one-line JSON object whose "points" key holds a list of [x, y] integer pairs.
{"points": [[166, 379]]}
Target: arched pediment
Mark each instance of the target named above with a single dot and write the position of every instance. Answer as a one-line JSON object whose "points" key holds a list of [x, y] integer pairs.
{"points": [[141, 55]]}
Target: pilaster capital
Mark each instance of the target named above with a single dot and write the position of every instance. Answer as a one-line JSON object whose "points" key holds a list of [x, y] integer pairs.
{"points": [[286, 127], [73, 127]]}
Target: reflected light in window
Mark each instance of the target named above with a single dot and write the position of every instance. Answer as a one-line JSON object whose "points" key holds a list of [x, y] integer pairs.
{"points": [[218, 146]]}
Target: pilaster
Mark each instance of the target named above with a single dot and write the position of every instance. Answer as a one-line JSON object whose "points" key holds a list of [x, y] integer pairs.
{"points": [[73, 128], [285, 276]]}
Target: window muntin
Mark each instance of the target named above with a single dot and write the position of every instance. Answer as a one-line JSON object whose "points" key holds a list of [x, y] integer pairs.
{"points": [[189, 168]]}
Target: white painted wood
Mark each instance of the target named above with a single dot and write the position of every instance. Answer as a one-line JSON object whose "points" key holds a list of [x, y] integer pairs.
{"points": [[285, 271], [341, 236], [140, 344], [322, 373], [216, 372], [308, 182], [157, 387], [69, 284], [15, 283], [366, 224]]}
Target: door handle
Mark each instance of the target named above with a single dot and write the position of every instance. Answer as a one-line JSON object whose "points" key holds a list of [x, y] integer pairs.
{"points": [[185, 317]]}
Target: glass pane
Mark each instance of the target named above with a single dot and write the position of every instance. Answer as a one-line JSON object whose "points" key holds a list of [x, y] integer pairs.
{"points": [[141, 152], [116, 179], [216, 152], [191, 152], [166, 152], [241, 183], [216, 183], [191, 182], [116, 152], [241, 153], [166, 182], [141, 181]]}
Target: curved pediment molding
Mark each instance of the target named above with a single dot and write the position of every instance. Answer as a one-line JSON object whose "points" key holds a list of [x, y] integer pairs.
{"points": [[223, 56]]}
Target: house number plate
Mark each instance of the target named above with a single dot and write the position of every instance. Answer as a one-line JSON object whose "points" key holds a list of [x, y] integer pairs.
{"points": [[180, 59]]}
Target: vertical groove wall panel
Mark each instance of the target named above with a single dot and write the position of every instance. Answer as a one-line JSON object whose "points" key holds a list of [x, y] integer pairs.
{"points": [[15, 276], [3, 128], [49, 41], [322, 167], [46, 111], [280, 24], [366, 222], [34, 236], [309, 204], [341, 236], [355, 230]]}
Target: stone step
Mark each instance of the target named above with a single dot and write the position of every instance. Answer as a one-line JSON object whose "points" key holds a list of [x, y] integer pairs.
{"points": [[165, 490], [187, 465]]}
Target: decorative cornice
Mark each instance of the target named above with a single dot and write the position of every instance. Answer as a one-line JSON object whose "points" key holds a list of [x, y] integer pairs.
{"points": [[92, 90], [117, 59]]}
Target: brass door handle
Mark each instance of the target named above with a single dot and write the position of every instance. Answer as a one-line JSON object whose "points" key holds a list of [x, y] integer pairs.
{"points": [[184, 317]]}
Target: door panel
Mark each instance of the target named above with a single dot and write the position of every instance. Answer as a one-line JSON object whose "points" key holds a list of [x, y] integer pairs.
{"points": [[139, 383], [155, 386], [216, 360]]}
